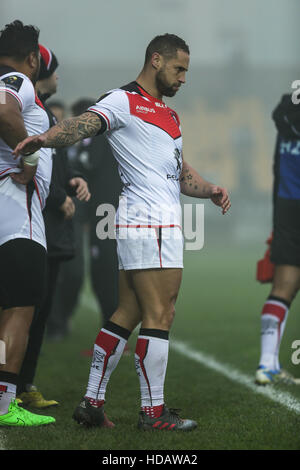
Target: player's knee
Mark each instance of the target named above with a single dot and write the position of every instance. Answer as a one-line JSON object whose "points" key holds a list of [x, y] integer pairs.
{"points": [[286, 290], [162, 317]]}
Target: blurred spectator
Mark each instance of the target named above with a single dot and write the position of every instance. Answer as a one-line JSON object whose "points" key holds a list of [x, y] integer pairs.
{"points": [[57, 108]]}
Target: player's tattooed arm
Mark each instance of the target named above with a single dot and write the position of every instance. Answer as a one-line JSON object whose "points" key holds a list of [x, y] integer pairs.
{"points": [[69, 131], [192, 184], [66, 132]]}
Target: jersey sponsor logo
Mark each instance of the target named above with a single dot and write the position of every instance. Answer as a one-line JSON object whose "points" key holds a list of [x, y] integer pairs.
{"points": [[173, 177], [13, 82], [144, 109]]}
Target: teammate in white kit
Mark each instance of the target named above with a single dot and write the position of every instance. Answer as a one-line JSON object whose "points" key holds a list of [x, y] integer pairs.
{"points": [[24, 184], [145, 137]]}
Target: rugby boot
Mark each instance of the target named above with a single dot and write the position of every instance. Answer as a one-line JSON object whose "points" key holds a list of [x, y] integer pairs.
{"points": [[265, 376], [34, 399], [169, 421], [17, 416], [89, 415]]}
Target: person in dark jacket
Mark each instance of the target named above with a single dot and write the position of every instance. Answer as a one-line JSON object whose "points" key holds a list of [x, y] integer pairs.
{"points": [[65, 184], [90, 157]]}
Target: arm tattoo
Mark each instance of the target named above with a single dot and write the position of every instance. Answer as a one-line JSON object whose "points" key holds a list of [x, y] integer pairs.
{"points": [[188, 180], [192, 184], [69, 131]]}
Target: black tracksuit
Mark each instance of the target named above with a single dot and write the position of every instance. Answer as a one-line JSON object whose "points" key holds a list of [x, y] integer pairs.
{"points": [[93, 157], [60, 247]]}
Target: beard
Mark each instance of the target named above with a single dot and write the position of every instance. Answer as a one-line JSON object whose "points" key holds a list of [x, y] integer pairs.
{"points": [[163, 86]]}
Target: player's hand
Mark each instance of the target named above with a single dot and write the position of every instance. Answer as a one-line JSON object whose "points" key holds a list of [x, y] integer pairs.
{"points": [[82, 190], [29, 145], [219, 196], [26, 175], [68, 208]]}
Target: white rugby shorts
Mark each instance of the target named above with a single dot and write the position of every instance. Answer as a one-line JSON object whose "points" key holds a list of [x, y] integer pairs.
{"points": [[152, 246], [21, 213]]}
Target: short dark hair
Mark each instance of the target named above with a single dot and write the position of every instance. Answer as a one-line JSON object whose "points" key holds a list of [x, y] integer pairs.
{"points": [[167, 45], [18, 40]]}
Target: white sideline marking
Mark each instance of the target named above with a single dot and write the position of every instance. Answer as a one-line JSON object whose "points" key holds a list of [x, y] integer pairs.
{"points": [[283, 398]]}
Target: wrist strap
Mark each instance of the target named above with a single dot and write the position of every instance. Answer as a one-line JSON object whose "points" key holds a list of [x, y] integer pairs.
{"points": [[32, 159]]}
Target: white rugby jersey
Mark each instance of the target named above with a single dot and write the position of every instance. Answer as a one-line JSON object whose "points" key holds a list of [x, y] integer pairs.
{"points": [[145, 137], [36, 122]]}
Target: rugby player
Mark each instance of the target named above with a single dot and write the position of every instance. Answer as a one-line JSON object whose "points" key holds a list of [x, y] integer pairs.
{"points": [[145, 137], [24, 184], [285, 245]]}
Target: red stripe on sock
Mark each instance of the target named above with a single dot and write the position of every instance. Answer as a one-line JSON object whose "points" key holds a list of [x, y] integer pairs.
{"points": [[107, 342], [94, 402], [273, 309], [3, 388]]}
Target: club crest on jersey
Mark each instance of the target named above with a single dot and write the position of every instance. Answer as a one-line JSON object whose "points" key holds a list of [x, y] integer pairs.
{"points": [[144, 109], [174, 117], [13, 82]]}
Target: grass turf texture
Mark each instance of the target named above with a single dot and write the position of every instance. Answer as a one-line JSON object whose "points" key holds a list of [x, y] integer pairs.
{"points": [[218, 312]]}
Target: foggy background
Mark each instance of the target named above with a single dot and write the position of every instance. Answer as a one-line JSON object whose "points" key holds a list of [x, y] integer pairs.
{"points": [[244, 56]]}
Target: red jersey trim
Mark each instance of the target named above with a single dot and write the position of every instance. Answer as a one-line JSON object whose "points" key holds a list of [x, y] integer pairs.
{"points": [[38, 102], [4, 171], [159, 246], [147, 226]]}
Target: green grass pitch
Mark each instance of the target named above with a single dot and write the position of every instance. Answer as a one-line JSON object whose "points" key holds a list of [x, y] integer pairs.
{"points": [[218, 313]]}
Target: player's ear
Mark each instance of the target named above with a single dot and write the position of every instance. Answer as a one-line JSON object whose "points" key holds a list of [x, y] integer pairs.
{"points": [[33, 60], [156, 60]]}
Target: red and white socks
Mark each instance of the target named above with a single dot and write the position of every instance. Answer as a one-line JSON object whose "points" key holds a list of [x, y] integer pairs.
{"points": [[151, 358], [273, 320], [8, 390], [108, 349]]}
